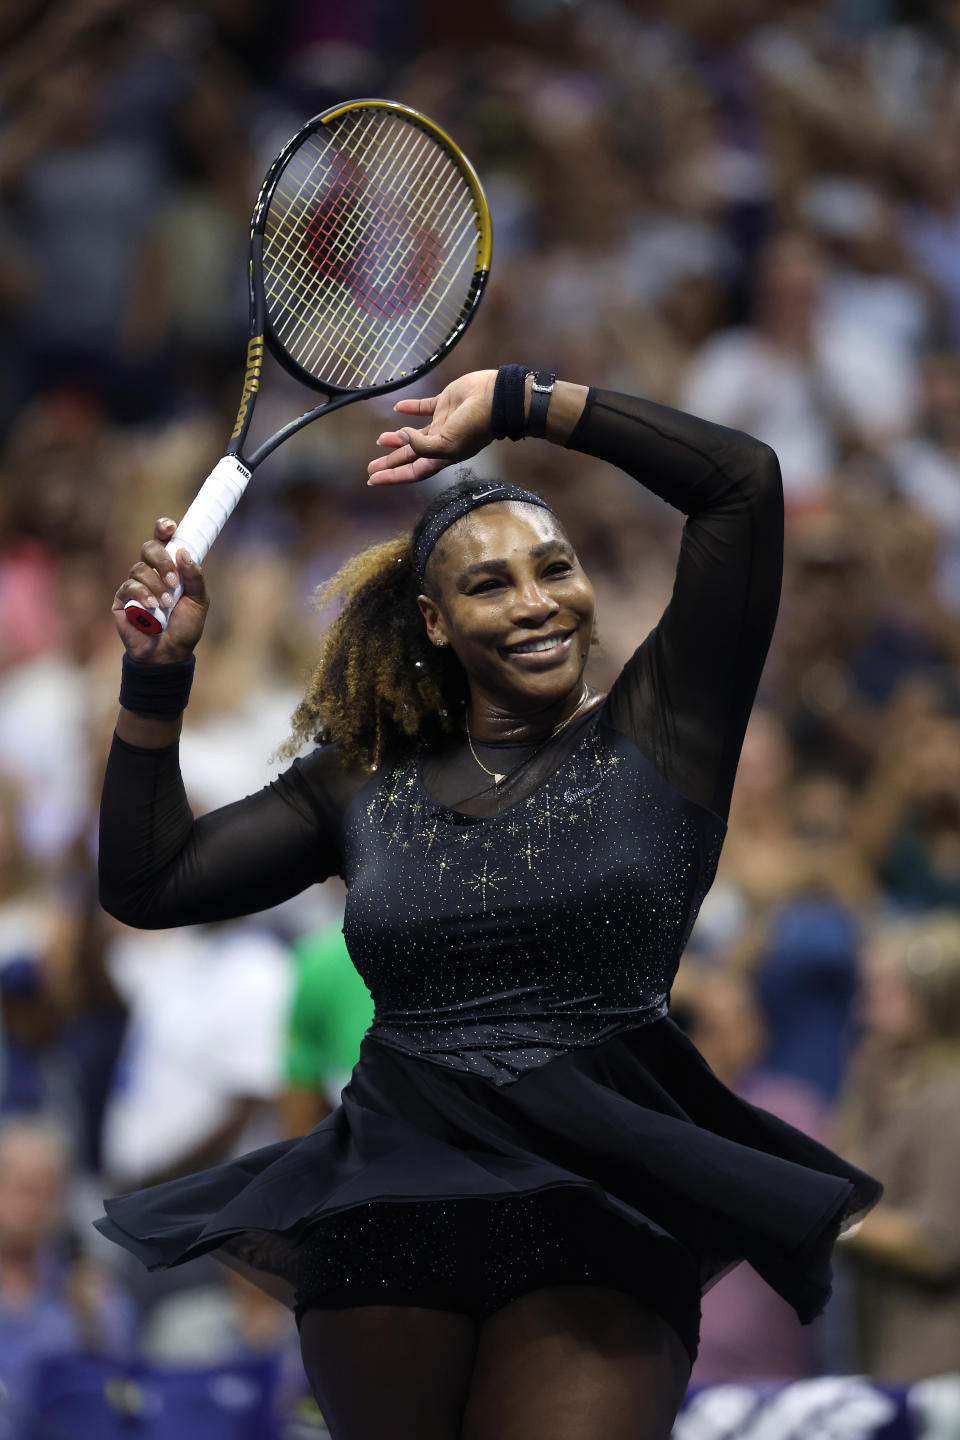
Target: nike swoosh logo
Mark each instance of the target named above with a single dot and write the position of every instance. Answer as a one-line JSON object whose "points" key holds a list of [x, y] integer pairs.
{"points": [[482, 494], [572, 796]]}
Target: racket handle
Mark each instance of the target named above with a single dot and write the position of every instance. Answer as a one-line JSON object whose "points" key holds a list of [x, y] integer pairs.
{"points": [[215, 502]]}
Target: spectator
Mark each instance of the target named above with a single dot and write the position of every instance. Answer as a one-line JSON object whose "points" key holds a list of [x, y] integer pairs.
{"points": [[799, 379], [185, 1093], [906, 1254], [51, 1298], [909, 823], [225, 1324], [330, 1014]]}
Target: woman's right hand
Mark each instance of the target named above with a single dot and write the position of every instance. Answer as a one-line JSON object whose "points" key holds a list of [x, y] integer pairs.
{"points": [[150, 582], [459, 426]]}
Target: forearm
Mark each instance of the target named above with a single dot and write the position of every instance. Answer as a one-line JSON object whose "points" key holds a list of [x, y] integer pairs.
{"points": [[145, 821], [148, 732], [211, 1150], [301, 1107], [692, 464], [892, 1236]]}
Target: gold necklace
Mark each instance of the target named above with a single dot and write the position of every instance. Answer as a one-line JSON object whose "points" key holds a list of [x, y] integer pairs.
{"points": [[498, 779]]}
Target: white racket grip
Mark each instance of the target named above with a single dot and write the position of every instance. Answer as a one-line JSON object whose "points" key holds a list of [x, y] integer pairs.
{"points": [[215, 502]]}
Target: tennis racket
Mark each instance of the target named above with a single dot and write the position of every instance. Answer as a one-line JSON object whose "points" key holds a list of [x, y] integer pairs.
{"points": [[369, 252]]}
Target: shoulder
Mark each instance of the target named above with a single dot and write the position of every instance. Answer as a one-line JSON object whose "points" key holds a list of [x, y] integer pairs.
{"points": [[323, 780]]}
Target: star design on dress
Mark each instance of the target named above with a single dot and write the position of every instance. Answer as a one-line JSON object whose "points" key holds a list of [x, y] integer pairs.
{"points": [[389, 797], [531, 852], [478, 883], [546, 815], [513, 829]]}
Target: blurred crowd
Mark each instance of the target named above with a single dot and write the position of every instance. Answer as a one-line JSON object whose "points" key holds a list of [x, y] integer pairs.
{"points": [[748, 210]]}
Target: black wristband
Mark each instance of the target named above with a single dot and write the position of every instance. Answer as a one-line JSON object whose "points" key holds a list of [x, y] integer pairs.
{"points": [[540, 397], [507, 413], [158, 690]]}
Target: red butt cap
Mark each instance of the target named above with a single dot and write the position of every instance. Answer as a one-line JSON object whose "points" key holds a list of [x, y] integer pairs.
{"points": [[144, 620]]}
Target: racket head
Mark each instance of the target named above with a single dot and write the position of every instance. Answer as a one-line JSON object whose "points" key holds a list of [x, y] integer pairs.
{"points": [[370, 245]]}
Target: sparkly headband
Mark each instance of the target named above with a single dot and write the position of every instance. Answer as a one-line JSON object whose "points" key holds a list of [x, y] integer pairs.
{"points": [[461, 505]]}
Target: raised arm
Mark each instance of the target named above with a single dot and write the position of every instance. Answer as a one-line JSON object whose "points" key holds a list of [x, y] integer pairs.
{"points": [[685, 695], [159, 866]]}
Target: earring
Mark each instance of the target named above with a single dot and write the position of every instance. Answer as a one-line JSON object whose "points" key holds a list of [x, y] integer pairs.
{"points": [[439, 644]]}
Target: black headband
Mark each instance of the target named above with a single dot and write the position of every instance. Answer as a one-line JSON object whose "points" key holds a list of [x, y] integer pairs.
{"points": [[460, 505]]}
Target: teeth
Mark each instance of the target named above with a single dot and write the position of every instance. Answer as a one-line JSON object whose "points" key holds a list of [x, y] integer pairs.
{"points": [[534, 645]]}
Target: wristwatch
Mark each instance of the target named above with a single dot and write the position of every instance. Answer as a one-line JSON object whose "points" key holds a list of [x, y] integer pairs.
{"points": [[543, 383]]}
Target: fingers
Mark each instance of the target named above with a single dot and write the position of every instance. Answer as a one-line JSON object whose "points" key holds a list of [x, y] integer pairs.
{"points": [[146, 580], [424, 406], [138, 592], [154, 578], [402, 468], [191, 577], [421, 442], [155, 553]]}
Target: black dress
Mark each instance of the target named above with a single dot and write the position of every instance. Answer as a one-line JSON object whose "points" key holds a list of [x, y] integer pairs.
{"points": [[523, 1112]]}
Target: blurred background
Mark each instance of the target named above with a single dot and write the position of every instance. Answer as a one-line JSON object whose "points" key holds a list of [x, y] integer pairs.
{"points": [[750, 210]]}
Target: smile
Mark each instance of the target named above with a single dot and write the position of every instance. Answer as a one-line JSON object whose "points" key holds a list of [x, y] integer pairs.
{"points": [[543, 645]]}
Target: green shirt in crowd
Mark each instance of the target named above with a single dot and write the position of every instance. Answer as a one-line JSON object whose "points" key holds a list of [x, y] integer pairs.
{"points": [[331, 1012]]}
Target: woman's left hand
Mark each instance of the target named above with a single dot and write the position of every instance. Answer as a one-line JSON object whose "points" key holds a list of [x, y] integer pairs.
{"points": [[459, 427]]}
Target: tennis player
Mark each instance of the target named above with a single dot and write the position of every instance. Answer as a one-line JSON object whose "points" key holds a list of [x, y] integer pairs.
{"points": [[503, 1231]]}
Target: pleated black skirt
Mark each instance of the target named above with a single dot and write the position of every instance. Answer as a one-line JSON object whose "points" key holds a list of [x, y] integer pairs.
{"points": [[627, 1163]]}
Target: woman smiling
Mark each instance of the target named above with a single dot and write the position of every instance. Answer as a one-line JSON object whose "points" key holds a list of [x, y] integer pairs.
{"points": [[504, 1229]]}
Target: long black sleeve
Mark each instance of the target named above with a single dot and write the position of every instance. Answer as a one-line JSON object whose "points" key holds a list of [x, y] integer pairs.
{"points": [[685, 695], [161, 867]]}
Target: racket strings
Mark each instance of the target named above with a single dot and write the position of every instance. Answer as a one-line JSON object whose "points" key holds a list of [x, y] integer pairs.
{"points": [[436, 311], [369, 250], [341, 202], [345, 216], [388, 157]]}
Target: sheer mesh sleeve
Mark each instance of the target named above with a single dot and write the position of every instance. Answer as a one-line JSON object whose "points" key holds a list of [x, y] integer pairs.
{"points": [[685, 695], [161, 867]]}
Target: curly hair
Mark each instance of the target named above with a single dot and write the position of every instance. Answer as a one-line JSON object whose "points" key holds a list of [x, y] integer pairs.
{"points": [[381, 689]]}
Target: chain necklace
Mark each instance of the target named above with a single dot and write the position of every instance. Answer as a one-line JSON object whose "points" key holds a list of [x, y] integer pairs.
{"points": [[499, 779]]}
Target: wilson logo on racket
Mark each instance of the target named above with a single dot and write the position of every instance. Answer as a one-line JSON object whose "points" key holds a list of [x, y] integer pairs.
{"points": [[251, 382], [361, 237]]}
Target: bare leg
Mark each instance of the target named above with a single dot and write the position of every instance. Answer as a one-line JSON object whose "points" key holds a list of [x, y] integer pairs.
{"points": [[401, 1371], [575, 1362]]}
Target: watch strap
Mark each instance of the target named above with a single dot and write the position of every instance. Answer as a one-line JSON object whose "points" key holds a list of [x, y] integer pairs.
{"points": [[543, 383]]}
